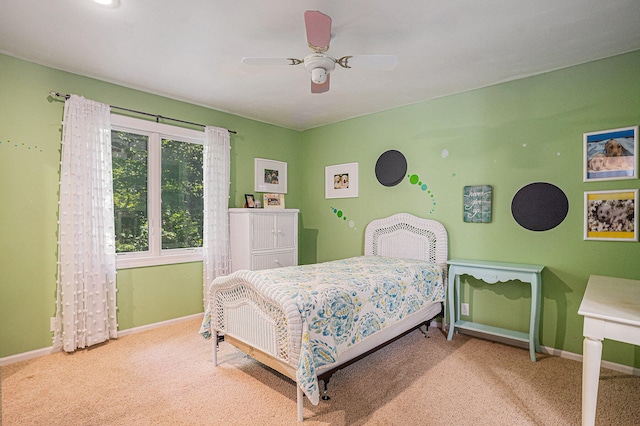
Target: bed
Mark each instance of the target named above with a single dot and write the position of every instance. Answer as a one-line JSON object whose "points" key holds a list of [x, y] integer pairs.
{"points": [[308, 321]]}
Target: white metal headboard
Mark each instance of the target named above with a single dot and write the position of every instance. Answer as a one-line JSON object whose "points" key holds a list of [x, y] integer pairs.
{"points": [[409, 237]]}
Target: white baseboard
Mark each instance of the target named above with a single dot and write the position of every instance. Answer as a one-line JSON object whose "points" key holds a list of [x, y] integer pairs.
{"points": [[121, 333], [157, 324], [604, 364], [436, 324], [27, 355], [562, 354]]}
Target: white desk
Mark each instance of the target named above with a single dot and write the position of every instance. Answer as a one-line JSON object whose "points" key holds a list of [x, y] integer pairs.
{"points": [[491, 273], [611, 309]]}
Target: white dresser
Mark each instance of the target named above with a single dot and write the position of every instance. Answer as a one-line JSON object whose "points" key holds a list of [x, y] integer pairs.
{"points": [[263, 238]]}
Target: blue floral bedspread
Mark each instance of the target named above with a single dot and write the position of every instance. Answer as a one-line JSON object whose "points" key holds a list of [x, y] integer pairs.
{"points": [[343, 302]]}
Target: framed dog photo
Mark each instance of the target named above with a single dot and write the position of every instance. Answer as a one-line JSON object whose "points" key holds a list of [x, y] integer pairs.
{"points": [[249, 201], [273, 201], [270, 176], [611, 154], [611, 215], [341, 181]]}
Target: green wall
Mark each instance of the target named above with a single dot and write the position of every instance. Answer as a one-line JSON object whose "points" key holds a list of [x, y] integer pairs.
{"points": [[507, 136], [30, 134]]}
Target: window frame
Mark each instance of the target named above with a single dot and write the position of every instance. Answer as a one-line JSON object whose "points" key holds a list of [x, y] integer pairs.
{"points": [[156, 132]]}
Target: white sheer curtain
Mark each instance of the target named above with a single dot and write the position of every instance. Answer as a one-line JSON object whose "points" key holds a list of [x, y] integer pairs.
{"points": [[86, 293], [215, 243]]}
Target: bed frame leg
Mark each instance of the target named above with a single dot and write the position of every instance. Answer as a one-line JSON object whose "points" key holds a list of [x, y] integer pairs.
{"points": [[325, 394], [426, 324], [215, 349], [300, 401]]}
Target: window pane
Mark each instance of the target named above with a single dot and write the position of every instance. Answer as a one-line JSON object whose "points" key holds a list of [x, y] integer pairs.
{"points": [[182, 196], [129, 159]]}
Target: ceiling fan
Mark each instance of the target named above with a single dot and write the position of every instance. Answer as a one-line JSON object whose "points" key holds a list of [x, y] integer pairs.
{"points": [[319, 63]]}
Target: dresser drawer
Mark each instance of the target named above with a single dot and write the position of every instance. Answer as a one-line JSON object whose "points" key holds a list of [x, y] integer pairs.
{"points": [[274, 259]]}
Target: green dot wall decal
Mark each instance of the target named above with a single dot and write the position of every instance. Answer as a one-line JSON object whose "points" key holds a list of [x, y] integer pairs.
{"points": [[20, 145], [340, 215], [415, 180]]}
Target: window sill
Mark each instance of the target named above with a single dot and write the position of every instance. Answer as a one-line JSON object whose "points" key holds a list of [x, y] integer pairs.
{"points": [[166, 259]]}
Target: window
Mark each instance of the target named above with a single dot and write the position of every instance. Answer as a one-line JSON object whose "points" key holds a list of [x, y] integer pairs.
{"points": [[157, 192]]}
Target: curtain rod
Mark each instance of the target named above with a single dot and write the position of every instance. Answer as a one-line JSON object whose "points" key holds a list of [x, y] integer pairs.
{"points": [[158, 117]]}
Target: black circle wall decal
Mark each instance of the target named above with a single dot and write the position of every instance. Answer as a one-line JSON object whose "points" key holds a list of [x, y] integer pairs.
{"points": [[391, 168], [539, 206]]}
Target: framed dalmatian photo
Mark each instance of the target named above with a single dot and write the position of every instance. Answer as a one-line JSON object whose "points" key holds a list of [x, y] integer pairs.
{"points": [[611, 215], [611, 154]]}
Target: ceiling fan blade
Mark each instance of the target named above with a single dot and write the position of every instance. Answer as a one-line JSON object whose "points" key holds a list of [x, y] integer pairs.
{"points": [[318, 30], [271, 61], [321, 88], [377, 62]]}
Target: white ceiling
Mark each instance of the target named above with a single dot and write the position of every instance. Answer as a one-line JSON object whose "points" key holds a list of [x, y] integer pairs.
{"points": [[191, 49]]}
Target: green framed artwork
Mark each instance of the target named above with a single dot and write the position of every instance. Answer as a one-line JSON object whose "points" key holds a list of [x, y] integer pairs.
{"points": [[477, 204]]}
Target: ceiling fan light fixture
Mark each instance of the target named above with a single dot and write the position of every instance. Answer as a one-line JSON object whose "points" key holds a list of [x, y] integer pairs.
{"points": [[108, 3], [319, 75], [319, 65]]}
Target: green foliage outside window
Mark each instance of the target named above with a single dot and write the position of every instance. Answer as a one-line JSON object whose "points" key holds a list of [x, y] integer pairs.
{"points": [[181, 193], [129, 165]]}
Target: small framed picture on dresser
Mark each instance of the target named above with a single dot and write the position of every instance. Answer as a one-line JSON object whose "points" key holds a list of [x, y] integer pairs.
{"points": [[273, 201], [249, 201]]}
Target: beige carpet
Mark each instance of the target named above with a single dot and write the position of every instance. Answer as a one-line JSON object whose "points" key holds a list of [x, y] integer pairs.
{"points": [[165, 377]]}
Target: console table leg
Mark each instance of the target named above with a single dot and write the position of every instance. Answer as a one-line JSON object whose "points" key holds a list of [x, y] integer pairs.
{"points": [[454, 284], [534, 340]]}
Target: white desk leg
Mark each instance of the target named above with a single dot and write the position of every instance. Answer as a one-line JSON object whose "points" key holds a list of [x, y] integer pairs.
{"points": [[592, 355]]}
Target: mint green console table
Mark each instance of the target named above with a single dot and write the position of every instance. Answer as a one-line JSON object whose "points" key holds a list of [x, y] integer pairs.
{"points": [[491, 273]]}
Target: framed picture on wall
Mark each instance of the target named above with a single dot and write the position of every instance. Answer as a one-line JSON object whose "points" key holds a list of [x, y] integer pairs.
{"points": [[270, 176], [341, 181], [477, 204], [611, 215], [611, 154]]}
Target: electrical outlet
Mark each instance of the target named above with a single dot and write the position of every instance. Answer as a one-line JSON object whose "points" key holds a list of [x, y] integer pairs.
{"points": [[464, 309], [52, 324]]}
